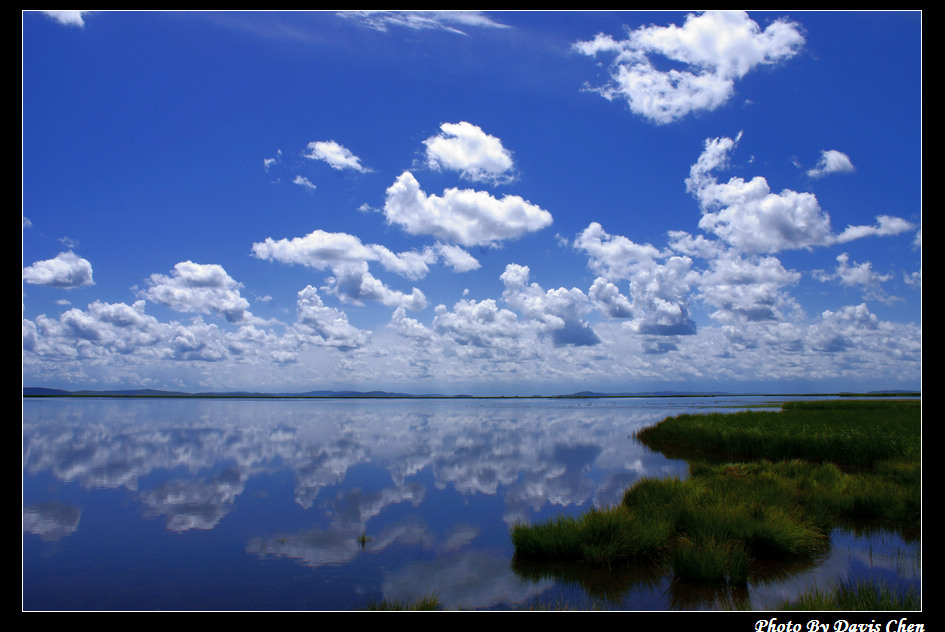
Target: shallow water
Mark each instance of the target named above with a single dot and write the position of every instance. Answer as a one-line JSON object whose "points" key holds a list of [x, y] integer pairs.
{"points": [[280, 504]]}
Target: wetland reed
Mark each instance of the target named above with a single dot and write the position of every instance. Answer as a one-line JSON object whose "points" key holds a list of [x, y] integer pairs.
{"points": [[762, 486]]}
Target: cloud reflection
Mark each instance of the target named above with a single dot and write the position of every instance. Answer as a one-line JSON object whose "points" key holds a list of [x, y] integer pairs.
{"points": [[533, 456]]}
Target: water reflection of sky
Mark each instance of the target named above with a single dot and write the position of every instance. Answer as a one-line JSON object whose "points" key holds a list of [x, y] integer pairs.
{"points": [[315, 504]]}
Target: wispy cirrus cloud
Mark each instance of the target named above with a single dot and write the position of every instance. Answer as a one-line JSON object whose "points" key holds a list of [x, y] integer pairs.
{"points": [[304, 182], [452, 21]]}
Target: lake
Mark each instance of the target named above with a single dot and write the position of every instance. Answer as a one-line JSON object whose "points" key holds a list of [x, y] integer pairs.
{"points": [[332, 504]]}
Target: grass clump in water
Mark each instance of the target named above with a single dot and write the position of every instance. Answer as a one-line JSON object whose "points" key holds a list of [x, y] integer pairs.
{"points": [[770, 504], [707, 529], [601, 536]]}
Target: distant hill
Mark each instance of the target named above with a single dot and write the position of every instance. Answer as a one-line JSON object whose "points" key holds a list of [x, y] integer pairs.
{"points": [[36, 391], [653, 394], [33, 391], [141, 392]]}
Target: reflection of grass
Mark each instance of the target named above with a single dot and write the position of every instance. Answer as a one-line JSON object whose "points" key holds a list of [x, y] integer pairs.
{"points": [[860, 596], [559, 606], [708, 559], [717, 526], [430, 602], [601, 583]]}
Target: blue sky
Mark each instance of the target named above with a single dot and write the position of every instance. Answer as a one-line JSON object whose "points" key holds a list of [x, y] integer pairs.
{"points": [[483, 203]]}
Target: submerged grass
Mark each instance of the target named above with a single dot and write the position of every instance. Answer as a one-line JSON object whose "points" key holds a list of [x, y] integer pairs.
{"points": [[792, 477]]}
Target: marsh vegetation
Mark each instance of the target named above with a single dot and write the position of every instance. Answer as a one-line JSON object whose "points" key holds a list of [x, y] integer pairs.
{"points": [[340, 504], [764, 491]]}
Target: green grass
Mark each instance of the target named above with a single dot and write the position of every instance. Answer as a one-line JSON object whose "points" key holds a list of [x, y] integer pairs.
{"points": [[601, 536], [768, 502], [856, 433]]}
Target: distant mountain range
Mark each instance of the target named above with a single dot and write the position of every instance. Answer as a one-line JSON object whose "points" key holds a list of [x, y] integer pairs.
{"points": [[36, 391]]}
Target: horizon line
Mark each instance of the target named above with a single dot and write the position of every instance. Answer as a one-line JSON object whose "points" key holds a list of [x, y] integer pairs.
{"points": [[37, 391]]}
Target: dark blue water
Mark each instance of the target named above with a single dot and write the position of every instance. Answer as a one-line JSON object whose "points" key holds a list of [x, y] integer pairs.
{"points": [[218, 504]]}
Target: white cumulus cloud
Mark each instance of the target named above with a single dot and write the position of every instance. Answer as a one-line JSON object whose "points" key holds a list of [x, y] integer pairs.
{"points": [[325, 250], [613, 257], [886, 225], [69, 18], [337, 156], [322, 325], [714, 49], [457, 258], [355, 284], [195, 287], [462, 216], [347, 257], [747, 214], [659, 284], [481, 324], [858, 275], [67, 270], [748, 289], [559, 312], [832, 161], [608, 299], [465, 148]]}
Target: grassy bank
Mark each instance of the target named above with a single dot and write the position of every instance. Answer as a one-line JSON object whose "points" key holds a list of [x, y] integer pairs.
{"points": [[763, 486], [857, 433]]}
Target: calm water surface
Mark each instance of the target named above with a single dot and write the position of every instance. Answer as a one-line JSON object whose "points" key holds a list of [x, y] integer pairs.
{"points": [[256, 504]]}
